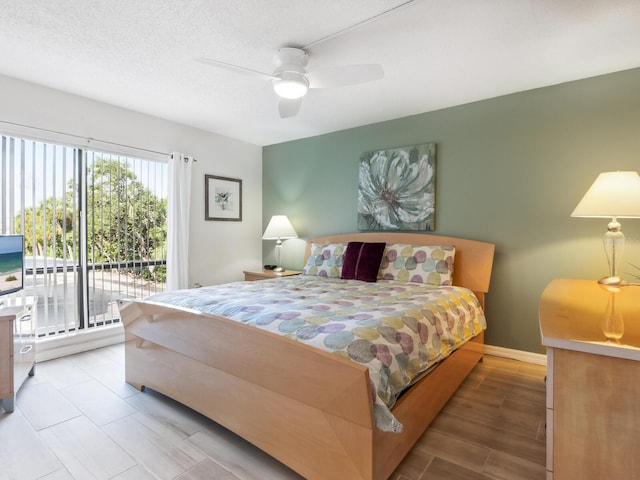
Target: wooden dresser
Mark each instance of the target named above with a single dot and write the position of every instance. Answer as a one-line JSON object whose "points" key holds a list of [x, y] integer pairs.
{"points": [[592, 335], [17, 350]]}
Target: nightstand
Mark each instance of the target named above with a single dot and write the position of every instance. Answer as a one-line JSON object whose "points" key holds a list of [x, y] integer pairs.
{"points": [[266, 274]]}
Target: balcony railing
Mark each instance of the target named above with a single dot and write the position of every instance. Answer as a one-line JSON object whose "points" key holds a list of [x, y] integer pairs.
{"points": [[61, 305]]}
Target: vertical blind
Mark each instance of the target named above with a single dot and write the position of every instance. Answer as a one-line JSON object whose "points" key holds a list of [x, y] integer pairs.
{"points": [[94, 226]]}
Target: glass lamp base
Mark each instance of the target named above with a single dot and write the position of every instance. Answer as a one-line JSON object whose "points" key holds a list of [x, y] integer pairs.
{"points": [[616, 281], [613, 242]]}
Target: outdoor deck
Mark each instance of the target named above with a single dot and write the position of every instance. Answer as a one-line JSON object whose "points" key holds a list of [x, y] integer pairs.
{"points": [[58, 311]]}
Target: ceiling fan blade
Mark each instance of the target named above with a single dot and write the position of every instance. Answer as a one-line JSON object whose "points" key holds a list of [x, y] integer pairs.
{"points": [[234, 68], [343, 76], [289, 107]]}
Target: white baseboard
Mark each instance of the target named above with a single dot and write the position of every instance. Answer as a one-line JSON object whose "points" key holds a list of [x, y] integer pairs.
{"points": [[529, 357], [63, 345]]}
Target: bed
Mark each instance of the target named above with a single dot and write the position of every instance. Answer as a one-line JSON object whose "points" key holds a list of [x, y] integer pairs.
{"points": [[311, 409]]}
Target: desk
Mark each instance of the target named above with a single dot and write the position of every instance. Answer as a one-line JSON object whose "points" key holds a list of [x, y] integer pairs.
{"points": [[592, 335], [17, 350]]}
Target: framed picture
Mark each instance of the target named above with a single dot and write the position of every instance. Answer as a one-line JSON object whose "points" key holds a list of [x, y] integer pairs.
{"points": [[396, 189], [222, 198]]}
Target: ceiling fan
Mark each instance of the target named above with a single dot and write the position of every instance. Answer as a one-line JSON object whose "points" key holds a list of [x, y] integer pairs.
{"points": [[291, 81]]}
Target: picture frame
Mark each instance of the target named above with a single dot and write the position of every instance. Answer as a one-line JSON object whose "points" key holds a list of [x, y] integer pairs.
{"points": [[222, 198]]}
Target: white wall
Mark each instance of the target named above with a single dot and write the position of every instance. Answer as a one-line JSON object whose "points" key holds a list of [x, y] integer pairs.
{"points": [[218, 251]]}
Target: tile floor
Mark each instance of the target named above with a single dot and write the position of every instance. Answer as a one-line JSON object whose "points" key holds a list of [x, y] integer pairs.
{"points": [[78, 419]]}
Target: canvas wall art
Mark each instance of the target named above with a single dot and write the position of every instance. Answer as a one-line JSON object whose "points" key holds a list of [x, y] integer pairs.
{"points": [[396, 189]]}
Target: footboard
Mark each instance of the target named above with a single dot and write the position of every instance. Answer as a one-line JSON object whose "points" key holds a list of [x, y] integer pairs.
{"points": [[310, 409]]}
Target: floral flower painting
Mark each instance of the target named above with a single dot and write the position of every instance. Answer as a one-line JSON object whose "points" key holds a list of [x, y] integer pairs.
{"points": [[397, 189]]}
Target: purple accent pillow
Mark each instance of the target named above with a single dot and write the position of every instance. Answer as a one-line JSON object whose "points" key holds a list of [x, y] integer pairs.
{"points": [[361, 261]]}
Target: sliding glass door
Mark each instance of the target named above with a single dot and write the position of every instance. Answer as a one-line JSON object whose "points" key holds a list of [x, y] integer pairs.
{"points": [[94, 226]]}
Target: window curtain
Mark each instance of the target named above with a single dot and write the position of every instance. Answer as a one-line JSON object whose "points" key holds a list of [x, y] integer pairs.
{"points": [[178, 202]]}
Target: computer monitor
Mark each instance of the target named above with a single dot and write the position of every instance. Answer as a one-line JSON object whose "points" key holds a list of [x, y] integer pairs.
{"points": [[11, 263]]}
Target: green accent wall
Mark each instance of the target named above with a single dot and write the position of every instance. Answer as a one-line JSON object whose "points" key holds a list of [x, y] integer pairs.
{"points": [[510, 170]]}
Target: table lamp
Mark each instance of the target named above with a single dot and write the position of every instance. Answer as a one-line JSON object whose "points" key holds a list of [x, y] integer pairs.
{"points": [[613, 195], [279, 228]]}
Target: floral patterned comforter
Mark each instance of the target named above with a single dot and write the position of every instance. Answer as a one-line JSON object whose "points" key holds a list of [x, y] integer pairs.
{"points": [[397, 329]]}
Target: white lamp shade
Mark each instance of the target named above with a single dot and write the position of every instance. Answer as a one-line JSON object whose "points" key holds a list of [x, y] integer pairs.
{"points": [[279, 227], [613, 194]]}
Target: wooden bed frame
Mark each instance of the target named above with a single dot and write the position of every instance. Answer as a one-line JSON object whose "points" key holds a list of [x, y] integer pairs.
{"points": [[321, 429]]}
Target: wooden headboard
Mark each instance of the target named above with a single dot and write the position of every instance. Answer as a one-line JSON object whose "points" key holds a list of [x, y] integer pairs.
{"points": [[473, 262]]}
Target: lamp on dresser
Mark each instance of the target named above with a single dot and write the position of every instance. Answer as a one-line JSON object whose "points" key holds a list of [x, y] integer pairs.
{"points": [[278, 229], [613, 195]]}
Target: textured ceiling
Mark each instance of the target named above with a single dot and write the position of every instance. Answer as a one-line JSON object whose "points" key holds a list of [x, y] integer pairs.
{"points": [[142, 54]]}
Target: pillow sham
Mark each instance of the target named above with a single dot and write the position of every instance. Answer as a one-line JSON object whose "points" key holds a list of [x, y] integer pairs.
{"points": [[431, 264], [325, 260], [362, 261]]}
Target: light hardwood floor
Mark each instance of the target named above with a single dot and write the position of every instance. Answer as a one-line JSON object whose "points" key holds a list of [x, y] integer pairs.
{"points": [[78, 419]]}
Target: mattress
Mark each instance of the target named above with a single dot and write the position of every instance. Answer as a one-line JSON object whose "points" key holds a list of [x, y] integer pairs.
{"points": [[398, 330]]}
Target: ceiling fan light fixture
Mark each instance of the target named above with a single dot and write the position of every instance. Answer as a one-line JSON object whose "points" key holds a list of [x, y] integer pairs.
{"points": [[291, 85]]}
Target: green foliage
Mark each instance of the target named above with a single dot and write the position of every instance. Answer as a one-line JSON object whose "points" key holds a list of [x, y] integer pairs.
{"points": [[50, 216], [125, 221]]}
